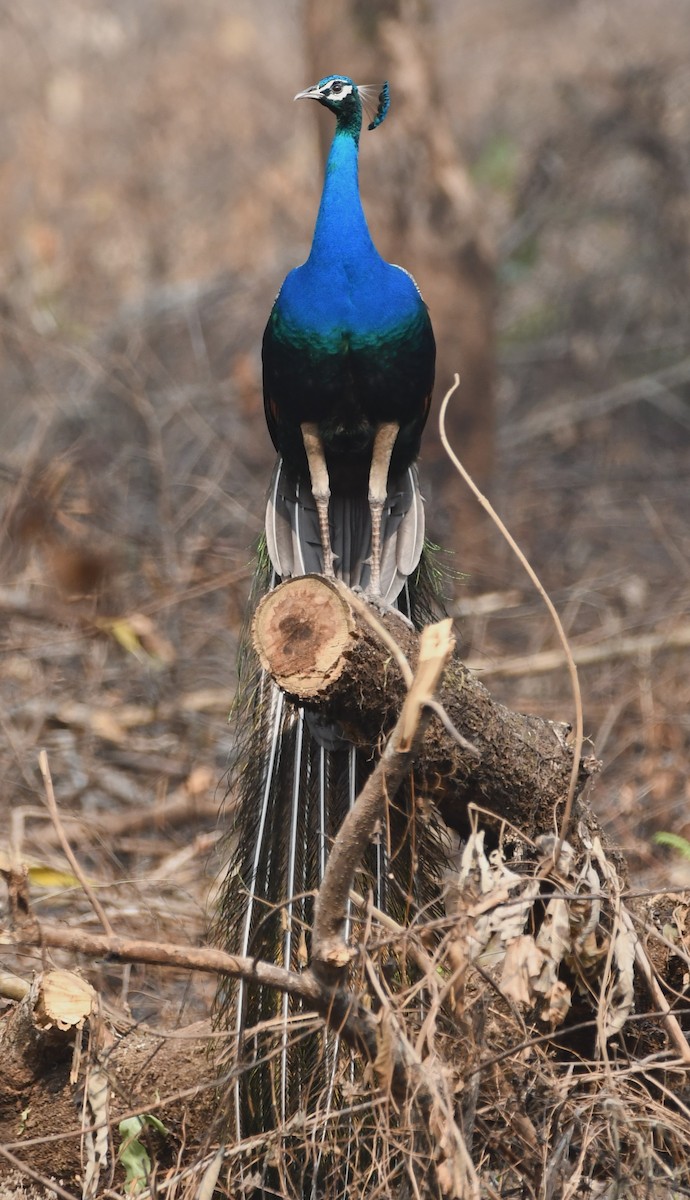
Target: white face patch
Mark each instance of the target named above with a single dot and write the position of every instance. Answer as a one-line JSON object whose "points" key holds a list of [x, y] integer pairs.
{"points": [[336, 89]]}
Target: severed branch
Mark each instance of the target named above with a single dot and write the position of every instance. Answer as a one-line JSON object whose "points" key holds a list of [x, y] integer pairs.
{"points": [[320, 651], [41, 1029], [330, 954]]}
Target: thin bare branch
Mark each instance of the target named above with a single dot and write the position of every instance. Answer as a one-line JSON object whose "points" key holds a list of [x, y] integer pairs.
{"points": [[585, 656], [69, 853], [575, 683]]}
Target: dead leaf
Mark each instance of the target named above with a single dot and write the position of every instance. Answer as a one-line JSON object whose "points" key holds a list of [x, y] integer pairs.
{"points": [[554, 936], [138, 635], [521, 969], [64, 999], [48, 877], [559, 1001], [621, 997]]}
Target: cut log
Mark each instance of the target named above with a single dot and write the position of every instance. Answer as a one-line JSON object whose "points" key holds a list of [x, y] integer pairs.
{"points": [[41, 1029], [324, 654]]}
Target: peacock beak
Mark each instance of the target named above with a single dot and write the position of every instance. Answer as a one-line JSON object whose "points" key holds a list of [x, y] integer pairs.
{"points": [[311, 93]]}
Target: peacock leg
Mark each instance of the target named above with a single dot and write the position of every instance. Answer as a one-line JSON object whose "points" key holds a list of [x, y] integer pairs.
{"points": [[384, 442], [320, 489]]}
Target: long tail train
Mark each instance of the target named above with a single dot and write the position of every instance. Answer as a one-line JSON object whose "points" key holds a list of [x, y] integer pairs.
{"points": [[295, 780]]}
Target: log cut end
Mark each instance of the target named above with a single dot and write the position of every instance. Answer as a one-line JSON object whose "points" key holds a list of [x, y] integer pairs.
{"points": [[301, 630], [63, 1000]]}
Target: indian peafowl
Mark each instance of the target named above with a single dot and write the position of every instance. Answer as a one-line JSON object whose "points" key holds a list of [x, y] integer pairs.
{"points": [[348, 356]]}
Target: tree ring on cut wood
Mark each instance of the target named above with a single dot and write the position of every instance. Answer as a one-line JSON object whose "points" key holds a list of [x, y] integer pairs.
{"points": [[301, 630]]}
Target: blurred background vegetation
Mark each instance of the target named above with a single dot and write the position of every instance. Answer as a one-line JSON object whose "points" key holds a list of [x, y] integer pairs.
{"points": [[156, 184]]}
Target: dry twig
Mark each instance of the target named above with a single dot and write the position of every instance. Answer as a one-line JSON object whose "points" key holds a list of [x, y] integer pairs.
{"points": [[577, 695], [69, 853]]}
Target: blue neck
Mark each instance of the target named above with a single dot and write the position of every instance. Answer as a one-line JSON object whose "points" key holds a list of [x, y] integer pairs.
{"points": [[341, 235]]}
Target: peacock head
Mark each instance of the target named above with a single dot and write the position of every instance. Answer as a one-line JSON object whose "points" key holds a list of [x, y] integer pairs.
{"points": [[346, 99]]}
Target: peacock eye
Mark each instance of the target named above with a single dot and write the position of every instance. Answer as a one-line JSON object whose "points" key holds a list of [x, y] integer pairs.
{"points": [[336, 86]]}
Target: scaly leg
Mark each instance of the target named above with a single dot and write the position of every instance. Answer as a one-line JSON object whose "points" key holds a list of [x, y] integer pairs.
{"points": [[384, 442], [320, 489]]}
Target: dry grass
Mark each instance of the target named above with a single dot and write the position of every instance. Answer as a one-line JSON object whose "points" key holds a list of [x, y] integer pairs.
{"points": [[541, 1108]]}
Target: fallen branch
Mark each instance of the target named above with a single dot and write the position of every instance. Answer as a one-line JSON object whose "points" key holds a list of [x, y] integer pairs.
{"points": [[165, 954], [341, 1012], [189, 803], [112, 722]]}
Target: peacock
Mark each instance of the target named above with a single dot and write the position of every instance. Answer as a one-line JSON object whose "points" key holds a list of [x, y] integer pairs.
{"points": [[348, 370]]}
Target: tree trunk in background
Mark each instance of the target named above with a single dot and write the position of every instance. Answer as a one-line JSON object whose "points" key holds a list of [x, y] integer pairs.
{"points": [[430, 220]]}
